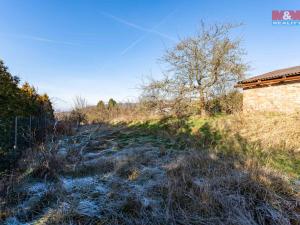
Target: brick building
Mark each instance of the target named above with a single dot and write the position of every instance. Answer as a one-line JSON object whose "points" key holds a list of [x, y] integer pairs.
{"points": [[278, 90]]}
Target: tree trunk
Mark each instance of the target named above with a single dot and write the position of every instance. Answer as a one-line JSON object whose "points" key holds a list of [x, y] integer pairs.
{"points": [[202, 104]]}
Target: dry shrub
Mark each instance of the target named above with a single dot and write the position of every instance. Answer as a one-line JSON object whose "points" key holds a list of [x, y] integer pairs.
{"points": [[42, 162], [48, 167], [12, 196], [135, 173], [64, 127], [38, 162], [125, 169], [202, 189], [231, 102]]}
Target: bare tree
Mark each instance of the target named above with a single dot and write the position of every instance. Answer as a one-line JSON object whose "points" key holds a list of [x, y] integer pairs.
{"points": [[166, 96], [203, 64], [79, 103], [78, 114], [154, 95]]}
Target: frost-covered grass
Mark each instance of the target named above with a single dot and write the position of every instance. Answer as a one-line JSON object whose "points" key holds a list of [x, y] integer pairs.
{"points": [[233, 169]]}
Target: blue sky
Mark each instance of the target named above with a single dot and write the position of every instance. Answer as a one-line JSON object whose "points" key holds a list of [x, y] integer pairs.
{"points": [[102, 49]]}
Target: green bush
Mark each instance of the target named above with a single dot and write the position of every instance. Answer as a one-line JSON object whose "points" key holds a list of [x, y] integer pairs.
{"points": [[16, 101], [227, 103]]}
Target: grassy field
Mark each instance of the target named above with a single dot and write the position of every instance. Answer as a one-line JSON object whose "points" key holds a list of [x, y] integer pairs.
{"points": [[270, 139], [226, 169]]}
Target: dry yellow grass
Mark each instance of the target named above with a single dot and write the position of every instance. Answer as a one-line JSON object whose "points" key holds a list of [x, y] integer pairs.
{"points": [[272, 131], [236, 169]]}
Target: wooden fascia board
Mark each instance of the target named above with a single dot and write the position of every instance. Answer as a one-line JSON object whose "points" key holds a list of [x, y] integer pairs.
{"points": [[269, 82]]}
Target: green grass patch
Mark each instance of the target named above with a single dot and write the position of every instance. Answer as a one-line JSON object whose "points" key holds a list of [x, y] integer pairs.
{"points": [[288, 163], [205, 134]]}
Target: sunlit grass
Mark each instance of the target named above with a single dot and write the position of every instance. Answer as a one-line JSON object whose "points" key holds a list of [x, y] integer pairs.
{"points": [[247, 136]]}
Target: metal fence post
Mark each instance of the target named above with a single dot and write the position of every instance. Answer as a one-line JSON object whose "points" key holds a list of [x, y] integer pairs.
{"points": [[45, 128], [16, 133], [30, 133]]}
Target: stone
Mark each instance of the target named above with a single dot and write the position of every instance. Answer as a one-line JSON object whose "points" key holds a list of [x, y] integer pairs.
{"points": [[278, 98]]}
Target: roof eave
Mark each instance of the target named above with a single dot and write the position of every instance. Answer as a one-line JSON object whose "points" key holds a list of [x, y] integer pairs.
{"points": [[265, 82]]}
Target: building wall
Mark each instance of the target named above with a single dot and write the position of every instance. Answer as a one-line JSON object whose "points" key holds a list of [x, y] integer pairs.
{"points": [[282, 98]]}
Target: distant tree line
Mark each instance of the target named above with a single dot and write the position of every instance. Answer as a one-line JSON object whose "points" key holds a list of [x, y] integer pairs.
{"points": [[109, 110], [18, 101], [81, 113]]}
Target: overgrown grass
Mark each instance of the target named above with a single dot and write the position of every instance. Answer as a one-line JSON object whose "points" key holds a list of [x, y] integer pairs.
{"points": [[271, 139], [226, 169]]}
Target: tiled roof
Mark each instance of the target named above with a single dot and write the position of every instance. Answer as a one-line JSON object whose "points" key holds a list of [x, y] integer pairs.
{"points": [[274, 74]]}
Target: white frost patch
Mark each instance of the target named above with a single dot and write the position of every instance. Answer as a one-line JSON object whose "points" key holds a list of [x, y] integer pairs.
{"points": [[125, 154], [152, 171], [62, 152], [69, 183], [14, 221], [198, 181], [91, 155], [146, 202], [64, 207], [103, 153], [36, 191], [175, 163], [38, 188], [101, 189], [94, 162], [88, 208], [108, 176]]}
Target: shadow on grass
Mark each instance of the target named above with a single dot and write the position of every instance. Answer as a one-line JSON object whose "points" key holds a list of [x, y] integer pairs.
{"points": [[215, 182], [185, 133], [221, 179]]}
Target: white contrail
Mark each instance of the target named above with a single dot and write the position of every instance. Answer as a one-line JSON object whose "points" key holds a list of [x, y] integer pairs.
{"points": [[40, 39], [138, 27], [35, 38], [133, 44], [144, 36]]}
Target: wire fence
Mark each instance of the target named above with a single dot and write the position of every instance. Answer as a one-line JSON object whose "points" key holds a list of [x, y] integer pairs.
{"points": [[19, 133]]}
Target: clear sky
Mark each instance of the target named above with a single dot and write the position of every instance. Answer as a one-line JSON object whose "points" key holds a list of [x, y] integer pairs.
{"points": [[102, 49]]}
